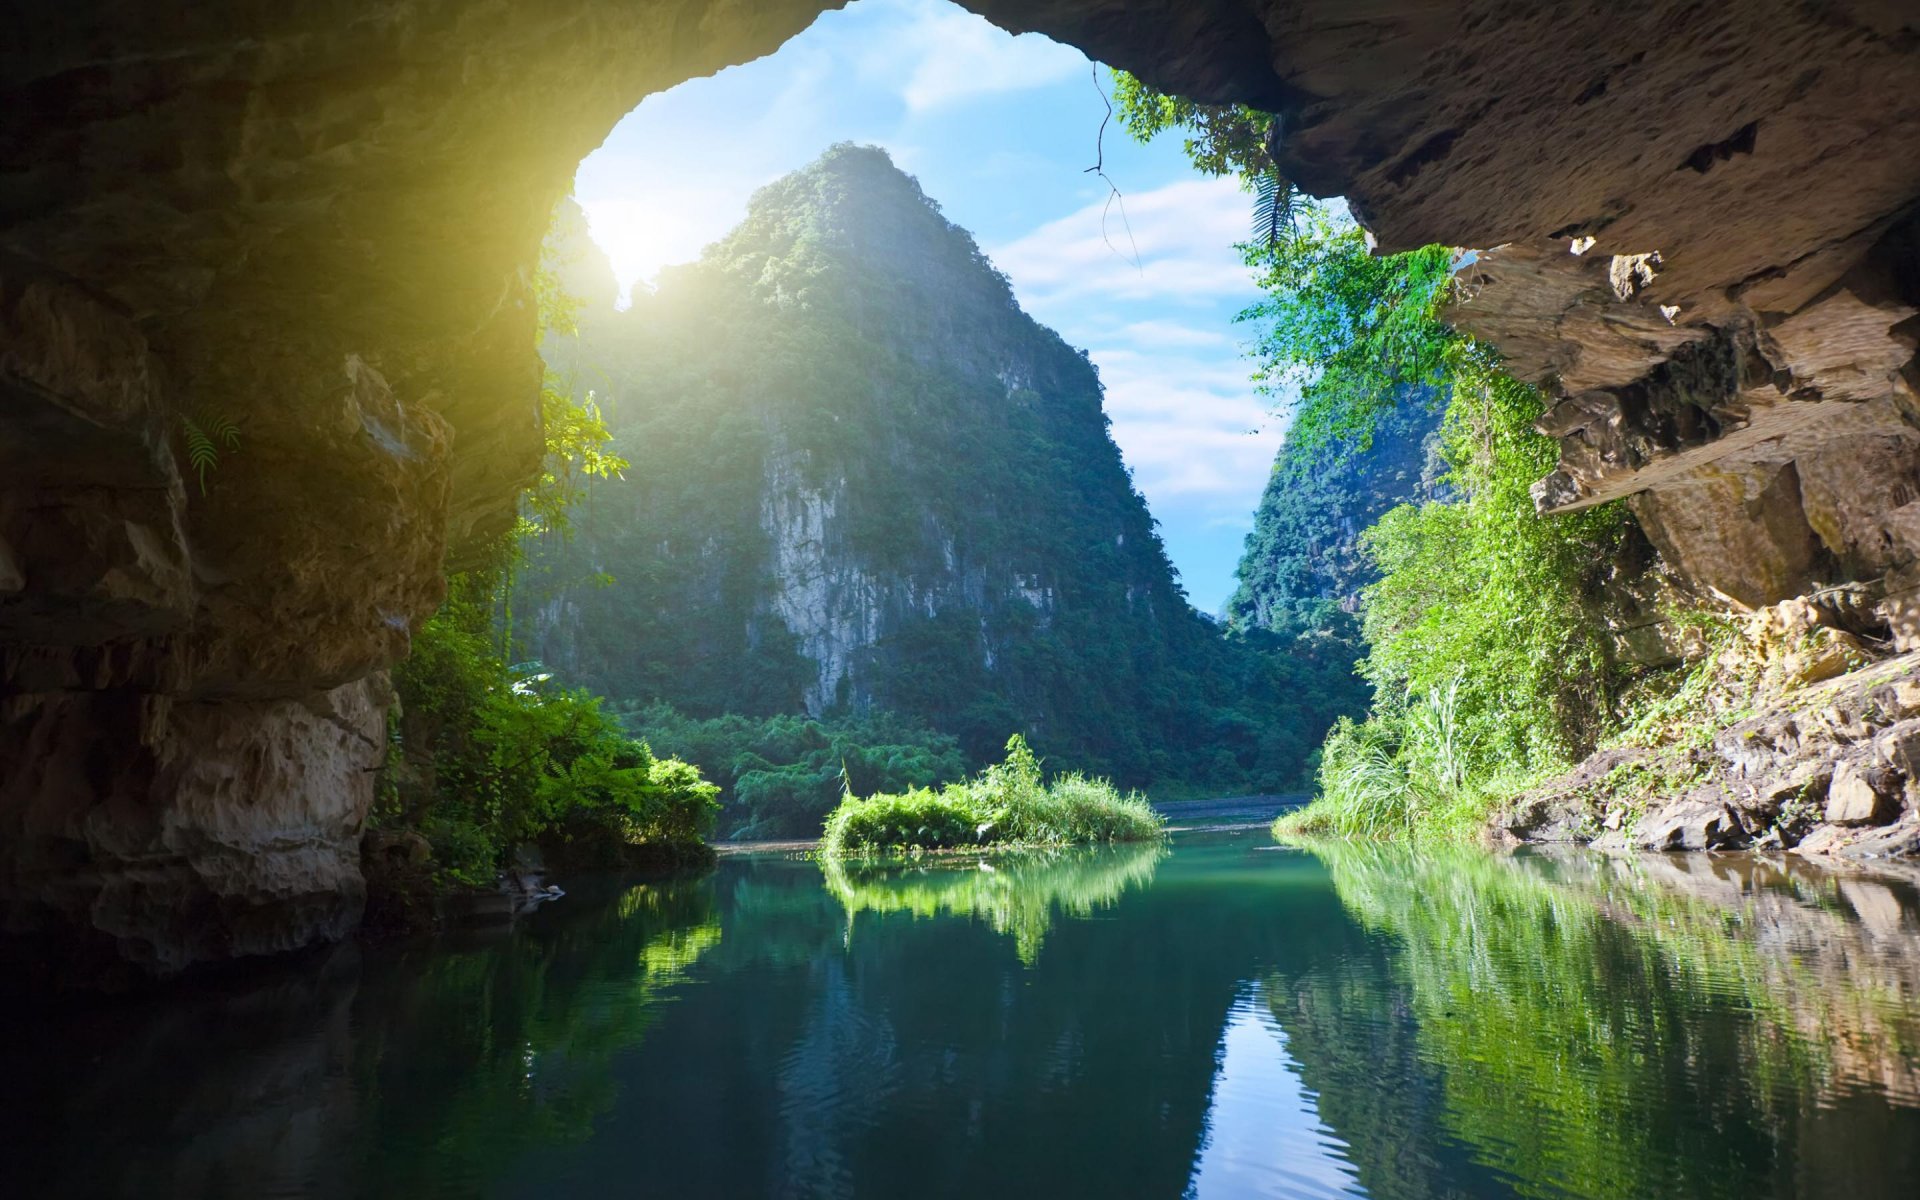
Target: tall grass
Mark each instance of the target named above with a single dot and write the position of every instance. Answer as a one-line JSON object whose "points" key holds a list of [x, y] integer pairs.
{"points": [[1410, 771], [1006, 804]]}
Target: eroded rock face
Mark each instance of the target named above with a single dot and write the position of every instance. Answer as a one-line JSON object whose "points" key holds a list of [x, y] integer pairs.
{"points": [[1694, 223], [154, 831], [307, 234], [1827, 766]]}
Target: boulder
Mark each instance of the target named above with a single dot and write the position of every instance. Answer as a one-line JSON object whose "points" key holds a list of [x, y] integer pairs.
{"points": [[1693, 824], [1863, 795]]}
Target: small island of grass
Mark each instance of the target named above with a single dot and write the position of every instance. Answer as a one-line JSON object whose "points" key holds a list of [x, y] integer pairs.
{"points": [[1007, 804]]}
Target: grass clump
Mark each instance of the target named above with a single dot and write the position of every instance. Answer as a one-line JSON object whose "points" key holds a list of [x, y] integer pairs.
{"points": [[1409, 771], [1006, 804]]}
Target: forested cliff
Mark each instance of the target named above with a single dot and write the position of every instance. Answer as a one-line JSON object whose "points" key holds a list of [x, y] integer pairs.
{"points": [[1304, 551], [863, 479]]}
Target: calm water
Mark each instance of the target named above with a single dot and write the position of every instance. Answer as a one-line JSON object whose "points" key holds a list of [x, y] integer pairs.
{"points": [[1225, 1019]]}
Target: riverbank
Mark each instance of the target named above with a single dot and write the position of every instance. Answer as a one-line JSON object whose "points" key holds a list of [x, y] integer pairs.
{"points": [[1828, 767]]}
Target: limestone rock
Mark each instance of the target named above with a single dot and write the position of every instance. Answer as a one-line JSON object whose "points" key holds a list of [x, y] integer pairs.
{"points": [[1862, 795], [213, 830], [1692, 824]]}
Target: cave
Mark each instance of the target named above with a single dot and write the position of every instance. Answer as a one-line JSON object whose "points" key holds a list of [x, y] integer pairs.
{"points": [[297, 242]]}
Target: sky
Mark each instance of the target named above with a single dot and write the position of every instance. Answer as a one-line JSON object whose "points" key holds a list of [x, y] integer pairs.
{"points": [[999, 130]]}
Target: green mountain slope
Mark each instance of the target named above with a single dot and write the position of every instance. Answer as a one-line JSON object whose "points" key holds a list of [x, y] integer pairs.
{"points": [[1304, 551], [863, 479]]}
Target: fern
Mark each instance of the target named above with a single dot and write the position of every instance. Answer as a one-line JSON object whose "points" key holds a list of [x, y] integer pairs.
{"points": [[205, 435], [1273, 198]]}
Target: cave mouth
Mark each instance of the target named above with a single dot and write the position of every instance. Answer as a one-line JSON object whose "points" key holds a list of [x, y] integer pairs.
{"points": [[269, 290], [267, 330], [1139, 266]]}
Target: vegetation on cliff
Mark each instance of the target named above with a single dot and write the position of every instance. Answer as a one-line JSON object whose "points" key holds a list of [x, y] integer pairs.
{"points": [[1303, 561], [486, 755], [1485, 642], [864, 482], [1009, 803]]}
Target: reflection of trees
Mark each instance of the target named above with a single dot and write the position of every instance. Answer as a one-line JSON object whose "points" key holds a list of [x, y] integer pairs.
{"points": [[1016, 893], [366, 1072], [1627, 1027], [1471, 1026], [475, 1057]]}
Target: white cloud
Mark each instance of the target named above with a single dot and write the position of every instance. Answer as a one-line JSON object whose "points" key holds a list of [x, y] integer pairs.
{"points": [[1193, 429], [1174, 243], [935, 54], [1163, 334]]}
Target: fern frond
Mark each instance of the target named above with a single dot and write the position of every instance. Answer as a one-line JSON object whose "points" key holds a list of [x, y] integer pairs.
{"points": [[1273, 196], [202, 455], [205, 434]]}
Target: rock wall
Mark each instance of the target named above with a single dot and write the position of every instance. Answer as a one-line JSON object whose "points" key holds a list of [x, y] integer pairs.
{"points": [[316, 223], [312, 226]]}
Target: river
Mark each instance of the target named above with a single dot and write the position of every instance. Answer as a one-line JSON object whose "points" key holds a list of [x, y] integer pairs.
{"points": [[1217, 1018]]}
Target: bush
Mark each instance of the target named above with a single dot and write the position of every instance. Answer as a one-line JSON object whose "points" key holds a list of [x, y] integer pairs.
{"points": [[1007, 804], [1410, 770], [487, 757], [780, 776]]}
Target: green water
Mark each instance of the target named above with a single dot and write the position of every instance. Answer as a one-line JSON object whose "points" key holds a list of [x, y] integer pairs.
{"points": [[1222, 1019]]}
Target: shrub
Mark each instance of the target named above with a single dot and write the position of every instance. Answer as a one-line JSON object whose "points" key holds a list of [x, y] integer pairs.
{"points": [[488, 756], [1007, 804], [780, 776]]}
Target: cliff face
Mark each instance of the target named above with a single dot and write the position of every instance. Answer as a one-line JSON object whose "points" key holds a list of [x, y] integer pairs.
{"points": [[318, 222], [861, 476], [1305, 545], [308, 225]]}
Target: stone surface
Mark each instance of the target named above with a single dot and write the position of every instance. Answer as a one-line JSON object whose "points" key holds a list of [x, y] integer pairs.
{"points": [[1862, 795], [158, 831], [1821, 768], [1692, 825]]}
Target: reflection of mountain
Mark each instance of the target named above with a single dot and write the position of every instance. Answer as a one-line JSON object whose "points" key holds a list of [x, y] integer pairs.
{"points": [[1599, 1027], [1017, 893], [907, 1056], [1229, 1016]]}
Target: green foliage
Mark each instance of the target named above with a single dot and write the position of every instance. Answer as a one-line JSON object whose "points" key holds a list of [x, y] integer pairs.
{"points": [[1006, 804], [206, 434], [1486, 641], [1018, 893], [780, 776], [1221, 139], [1355, 333], [488, 756], [1486, 646], [1484, 595], [497, 758], [1303, 564], [843, 396]]}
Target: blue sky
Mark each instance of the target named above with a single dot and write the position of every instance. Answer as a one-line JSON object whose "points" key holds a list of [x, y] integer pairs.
{"points": [[999, 130]]}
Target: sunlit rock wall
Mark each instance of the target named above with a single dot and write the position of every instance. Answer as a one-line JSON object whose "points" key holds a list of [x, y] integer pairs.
{"points": [[314, 225]]}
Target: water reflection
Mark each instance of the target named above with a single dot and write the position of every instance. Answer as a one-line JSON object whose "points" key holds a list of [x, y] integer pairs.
{"points": [[1230, 1020], [417, 1072], [1020, 893], [1629, 1027]]}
